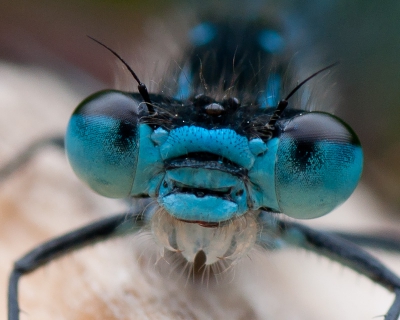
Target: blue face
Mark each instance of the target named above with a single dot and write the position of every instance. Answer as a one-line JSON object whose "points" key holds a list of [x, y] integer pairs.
{"points": [[208, 161], [213, 173]]}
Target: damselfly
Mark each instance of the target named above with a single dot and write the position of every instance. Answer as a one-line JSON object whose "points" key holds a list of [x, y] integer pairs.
{"points": [[201, 153]]}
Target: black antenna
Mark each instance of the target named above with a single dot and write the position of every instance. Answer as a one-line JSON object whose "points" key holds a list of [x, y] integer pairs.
{"points": [[141, 86], [284, 103]]}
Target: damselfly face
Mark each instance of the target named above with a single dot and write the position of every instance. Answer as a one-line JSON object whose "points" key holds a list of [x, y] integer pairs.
{"points": [[214, 162]]}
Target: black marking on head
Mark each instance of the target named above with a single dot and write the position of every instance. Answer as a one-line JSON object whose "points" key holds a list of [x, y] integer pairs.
{"points": [[208, 161], [231, 104]]}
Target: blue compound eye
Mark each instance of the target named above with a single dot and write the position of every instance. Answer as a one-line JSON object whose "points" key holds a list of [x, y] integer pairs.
{"points": [[102, 142], [318, 165]]}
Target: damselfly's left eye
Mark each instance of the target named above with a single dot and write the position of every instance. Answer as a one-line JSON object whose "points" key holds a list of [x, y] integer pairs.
{"points": [[318, 165], [102, 142]]}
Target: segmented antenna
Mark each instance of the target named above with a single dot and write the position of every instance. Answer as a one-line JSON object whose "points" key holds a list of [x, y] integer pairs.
{"points": [[141, 86], [284, 103]]}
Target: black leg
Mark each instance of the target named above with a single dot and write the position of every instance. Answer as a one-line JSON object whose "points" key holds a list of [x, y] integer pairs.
{"points": [[106, 228], [375, 241], [30, 151], [335, 248], [393, 312]]}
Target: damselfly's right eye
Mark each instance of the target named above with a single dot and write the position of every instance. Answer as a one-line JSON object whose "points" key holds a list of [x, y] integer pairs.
{"points": [[318, 165], [102, 142]]}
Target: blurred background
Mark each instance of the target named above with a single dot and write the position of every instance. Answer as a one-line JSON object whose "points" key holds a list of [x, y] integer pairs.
{"points": [[48, 65]]}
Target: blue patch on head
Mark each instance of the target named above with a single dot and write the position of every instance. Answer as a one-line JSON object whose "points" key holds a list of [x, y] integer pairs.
{"points": [[202, 34], [191, 208], [224, 142], [272, 93], [184, 84], [273, 89], [159, 136], [257, 146], [271, 41], [150, 167], [262, 177]]}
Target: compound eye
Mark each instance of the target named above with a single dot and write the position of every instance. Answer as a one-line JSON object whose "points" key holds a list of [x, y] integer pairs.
{"points": [[318, 165], [102, 142]]}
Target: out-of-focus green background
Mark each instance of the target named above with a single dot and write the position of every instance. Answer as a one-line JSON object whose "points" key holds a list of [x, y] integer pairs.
{"points": [[363, 35]]}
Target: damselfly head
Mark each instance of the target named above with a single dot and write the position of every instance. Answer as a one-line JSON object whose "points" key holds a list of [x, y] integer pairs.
{"points": [[218, 150]]}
